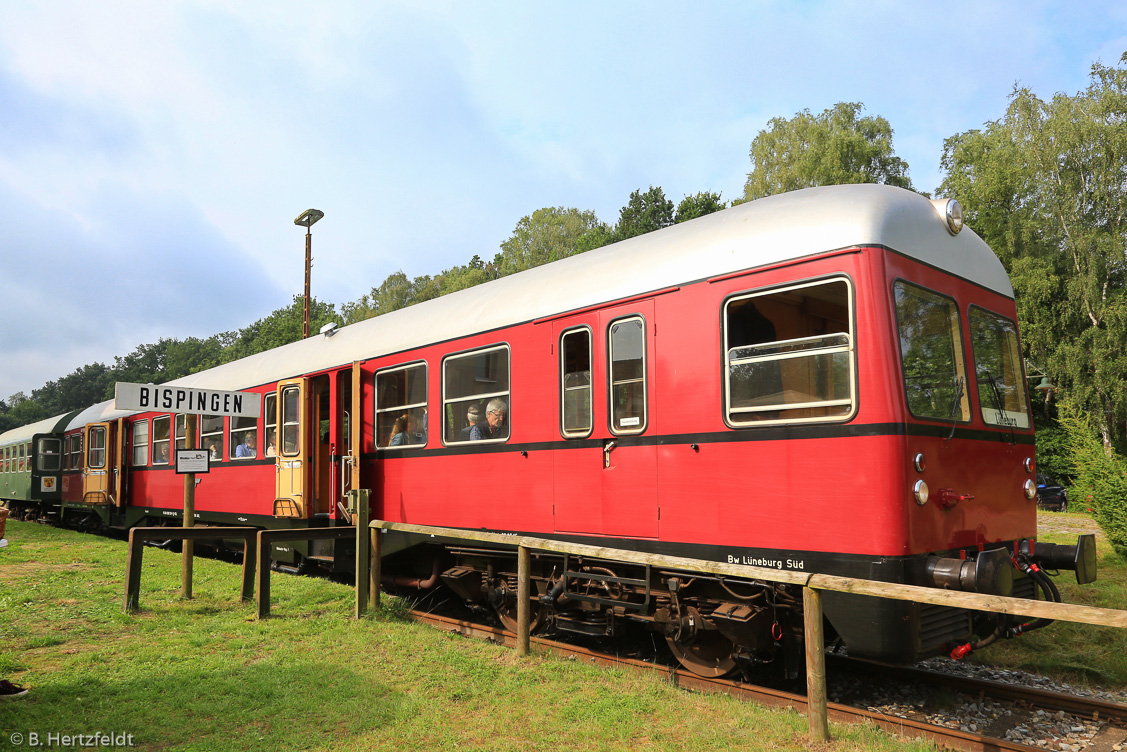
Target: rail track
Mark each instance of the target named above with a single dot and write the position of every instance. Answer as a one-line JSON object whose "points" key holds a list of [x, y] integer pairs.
{"points": [[1111, 716]]}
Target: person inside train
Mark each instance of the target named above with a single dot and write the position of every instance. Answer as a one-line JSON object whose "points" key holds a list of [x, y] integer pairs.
{"points": [[271, 449], [160, 456], [494, 426], [471, 421], [213, 449], [401, 430], [247, 448]]}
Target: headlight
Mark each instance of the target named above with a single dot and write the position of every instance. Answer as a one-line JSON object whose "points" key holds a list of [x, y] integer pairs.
{"points": [[1030, 490], [920, 492]]}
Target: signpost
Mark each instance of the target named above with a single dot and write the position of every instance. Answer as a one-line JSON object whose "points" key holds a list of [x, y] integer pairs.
{"points": [[190, 402]]}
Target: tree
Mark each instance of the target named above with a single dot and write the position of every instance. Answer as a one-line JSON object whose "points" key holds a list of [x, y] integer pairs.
{"points": [[698, 205], [281, 327], [833, 148], [1046, 187], [644, 212], [546, 235]]}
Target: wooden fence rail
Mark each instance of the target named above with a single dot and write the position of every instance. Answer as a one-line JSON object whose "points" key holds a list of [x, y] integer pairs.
{"points": [[368, 567]]}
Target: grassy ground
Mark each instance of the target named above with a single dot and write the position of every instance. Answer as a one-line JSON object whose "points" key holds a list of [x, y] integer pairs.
{"points": [[205, 675], [1078, 653]]}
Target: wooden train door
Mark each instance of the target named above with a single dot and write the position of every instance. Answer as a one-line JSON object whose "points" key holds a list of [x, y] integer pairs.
{"points": [[323, 440], [292, 472], [345, 460], [97, 465], [606, 482]]}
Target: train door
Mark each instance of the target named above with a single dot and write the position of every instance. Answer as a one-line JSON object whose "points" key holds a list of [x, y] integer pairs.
{"points": [[324, 439], [119, 479], [292, 472], [606, 482], [346, 439], [97, 468]]}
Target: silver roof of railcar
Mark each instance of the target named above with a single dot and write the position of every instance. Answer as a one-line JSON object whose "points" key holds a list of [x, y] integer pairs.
{"points": [[25, 433], [758, 233]]}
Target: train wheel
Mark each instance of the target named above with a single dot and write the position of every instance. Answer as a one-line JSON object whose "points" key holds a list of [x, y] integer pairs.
{"points": [[703, 651], [507, 613]]}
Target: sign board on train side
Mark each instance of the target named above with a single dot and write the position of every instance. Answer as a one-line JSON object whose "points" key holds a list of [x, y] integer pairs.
{"points": [[182, 399]]}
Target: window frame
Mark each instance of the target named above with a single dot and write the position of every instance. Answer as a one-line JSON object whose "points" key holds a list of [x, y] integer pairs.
{"points": [[23, 460], [590, 383], [232, 447], [282, 412], [645, 379], [154, 441], [961, 350], [93, 447], [851, 349], [376, 409], [221, 433], [41, 454], [134, 446], [482, 397], [1021, 381]]}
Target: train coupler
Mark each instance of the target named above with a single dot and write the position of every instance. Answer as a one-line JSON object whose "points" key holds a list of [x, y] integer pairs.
{"points": [[1080, 558]]}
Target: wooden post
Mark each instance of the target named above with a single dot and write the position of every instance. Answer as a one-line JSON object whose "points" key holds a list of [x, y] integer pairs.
{"points": [[375, 563], [358, 500], [133, 572], [262, 592], [524, 607], [249, 560], [189, 546], [815, 665]]}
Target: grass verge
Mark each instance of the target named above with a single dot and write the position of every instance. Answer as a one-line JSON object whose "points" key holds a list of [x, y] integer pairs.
{"points": [[205, 675]]}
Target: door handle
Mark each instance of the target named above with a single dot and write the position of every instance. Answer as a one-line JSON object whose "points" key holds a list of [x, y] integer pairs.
{"points": [[607, 449]]}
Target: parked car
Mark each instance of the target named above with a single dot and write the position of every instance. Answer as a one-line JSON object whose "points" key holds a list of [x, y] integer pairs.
{"points": [[1050, 495]]}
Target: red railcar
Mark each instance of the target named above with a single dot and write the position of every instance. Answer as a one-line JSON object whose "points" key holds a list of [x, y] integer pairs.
{"points": [[828, 380]]}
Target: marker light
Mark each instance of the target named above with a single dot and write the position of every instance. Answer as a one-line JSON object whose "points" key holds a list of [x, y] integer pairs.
{"points": [[920, 462], [1030, 490], [1028, 464], [951, 212], [920, 491]]}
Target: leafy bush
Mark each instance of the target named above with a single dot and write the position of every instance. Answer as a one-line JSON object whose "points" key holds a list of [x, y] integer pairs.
{"points": [[1101, 476]]}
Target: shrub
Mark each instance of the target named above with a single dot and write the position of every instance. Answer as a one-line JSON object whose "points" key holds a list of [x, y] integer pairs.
{"points": [[1100, 474]]}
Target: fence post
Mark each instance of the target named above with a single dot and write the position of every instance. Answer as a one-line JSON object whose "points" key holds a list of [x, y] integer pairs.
{"points": [[815, 665], [262, 593], [133, 572], [358, 500], [524, 607], [374, 565]]}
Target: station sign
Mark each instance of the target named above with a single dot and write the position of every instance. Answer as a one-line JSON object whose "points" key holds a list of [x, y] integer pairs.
{"points": [[192, 461], [182, 399]]}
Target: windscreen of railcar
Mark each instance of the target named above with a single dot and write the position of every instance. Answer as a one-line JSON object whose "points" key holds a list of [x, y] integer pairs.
{"points": [[931, 353], [997, 369]]}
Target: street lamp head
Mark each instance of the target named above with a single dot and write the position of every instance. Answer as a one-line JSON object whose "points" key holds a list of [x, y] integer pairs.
{"points": [[1045, 385], [308, 217]]}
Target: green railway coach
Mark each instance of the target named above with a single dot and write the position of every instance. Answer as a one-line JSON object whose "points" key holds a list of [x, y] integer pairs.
{"points": [[31, 464]]}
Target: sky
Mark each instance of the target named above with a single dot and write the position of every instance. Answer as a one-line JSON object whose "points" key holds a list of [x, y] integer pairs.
{"points": [[153, 155]]}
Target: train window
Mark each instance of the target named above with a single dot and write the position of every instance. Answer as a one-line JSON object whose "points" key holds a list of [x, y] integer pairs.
{"points": [[49, 455], [141, 443], [23, 462], [96, 451], [789, 354], [161, 450], [4, 463], [291, 421], [627, 375], [244, 437], [74, 451], [575, 383], [181, 431], [271, 420], [211, 435], [401, 407], [931, 352], [997, 369], [475, 396]]}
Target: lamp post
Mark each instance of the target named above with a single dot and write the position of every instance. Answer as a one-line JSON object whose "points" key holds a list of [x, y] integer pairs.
{"points": [[306, 219]]}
